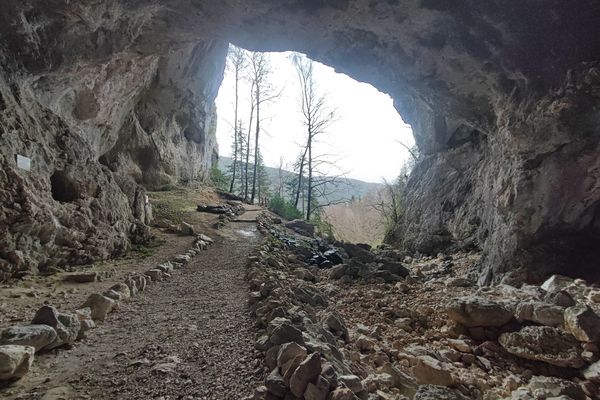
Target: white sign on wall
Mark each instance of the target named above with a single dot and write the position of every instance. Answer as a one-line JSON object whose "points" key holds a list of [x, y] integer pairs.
{"points": [[23, 162]]}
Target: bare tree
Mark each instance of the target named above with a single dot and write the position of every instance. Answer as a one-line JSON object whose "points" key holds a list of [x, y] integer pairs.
{"points": [[237, 62], [260, 71], [249, 141], [317, 116]]}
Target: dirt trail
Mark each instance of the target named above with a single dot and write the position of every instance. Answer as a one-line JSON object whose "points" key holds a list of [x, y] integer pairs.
{"points": [[188, 338]]}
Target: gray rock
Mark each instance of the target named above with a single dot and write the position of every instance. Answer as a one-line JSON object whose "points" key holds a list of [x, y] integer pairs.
{"points": [[100, 305], [187, 229], [475, 311], [275, 383], [433, 392], [15, 361], [583, 323], [301, 227], [67, 326], [542, 343], [156, 275], [593, 372], [308, 371], [285, 333], [318, 390], [36, 336]]}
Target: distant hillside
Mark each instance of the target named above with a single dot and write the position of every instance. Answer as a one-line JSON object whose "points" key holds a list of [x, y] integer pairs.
{"points": [[345, 190]]}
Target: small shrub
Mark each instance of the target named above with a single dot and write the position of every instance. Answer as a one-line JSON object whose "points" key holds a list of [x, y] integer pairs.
{"points": [[284, 208]]}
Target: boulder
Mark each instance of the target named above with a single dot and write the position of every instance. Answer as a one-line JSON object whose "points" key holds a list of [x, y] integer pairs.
{"points": [[301, 227], [15, 361], [430, 371], [583, 323], [100, 306], [543, 343], [307, 372], [67, 326], [36, 336], [478, 312]]}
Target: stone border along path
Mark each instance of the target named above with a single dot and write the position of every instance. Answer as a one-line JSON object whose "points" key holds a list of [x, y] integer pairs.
{"points": [[194, 298]]}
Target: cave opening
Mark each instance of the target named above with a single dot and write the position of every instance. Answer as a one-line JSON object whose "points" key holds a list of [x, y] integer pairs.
{"points": [[357, 138], [63, 188]]}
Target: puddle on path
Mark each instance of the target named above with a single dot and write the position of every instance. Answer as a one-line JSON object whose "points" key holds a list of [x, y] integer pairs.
{"points": [[247, 232]]}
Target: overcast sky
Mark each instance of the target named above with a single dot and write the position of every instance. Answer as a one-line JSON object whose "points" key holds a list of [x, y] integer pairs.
{"points": [[363, 138]]}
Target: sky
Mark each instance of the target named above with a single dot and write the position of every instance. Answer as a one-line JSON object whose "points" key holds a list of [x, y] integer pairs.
{"points": [[363, 140]]}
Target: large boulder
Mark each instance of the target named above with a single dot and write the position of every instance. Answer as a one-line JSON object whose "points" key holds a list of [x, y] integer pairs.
{"points": [[477, 311], [36, 336], [66, 325], [15, 361], [543, 343]]}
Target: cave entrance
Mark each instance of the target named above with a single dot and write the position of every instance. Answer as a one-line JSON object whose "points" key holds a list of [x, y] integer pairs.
{"points": [[361, 139], [63, 188]]}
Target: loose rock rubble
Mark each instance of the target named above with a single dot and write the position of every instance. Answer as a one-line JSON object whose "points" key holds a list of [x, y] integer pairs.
{"points": [[344, 321], [51, 328]]}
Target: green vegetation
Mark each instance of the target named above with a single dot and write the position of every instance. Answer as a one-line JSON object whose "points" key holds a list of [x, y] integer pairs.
{"points": [[218, 178], [283, 208], [172, 205]]}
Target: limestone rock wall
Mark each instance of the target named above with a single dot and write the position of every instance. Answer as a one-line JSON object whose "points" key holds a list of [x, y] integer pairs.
{"points": [[99, 119], [502, 96]]}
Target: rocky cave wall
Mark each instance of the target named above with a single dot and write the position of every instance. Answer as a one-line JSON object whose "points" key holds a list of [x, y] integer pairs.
{"points": [[502, 97]]}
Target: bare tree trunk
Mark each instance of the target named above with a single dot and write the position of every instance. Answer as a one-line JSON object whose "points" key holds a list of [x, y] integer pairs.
{"points": [[246, 186], [300, 175], [256, 143], [235, 130], [310, 175]]}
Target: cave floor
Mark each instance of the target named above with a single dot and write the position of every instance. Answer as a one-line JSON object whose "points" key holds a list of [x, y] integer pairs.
{"points": [[189, 337]]}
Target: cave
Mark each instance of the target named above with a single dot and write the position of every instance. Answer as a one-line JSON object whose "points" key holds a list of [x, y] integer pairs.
{"points": [[502, 102], [63, 188], [487, 286]]}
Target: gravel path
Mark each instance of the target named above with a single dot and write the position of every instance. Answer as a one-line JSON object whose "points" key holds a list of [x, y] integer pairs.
{"points": [[188, 338]]}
